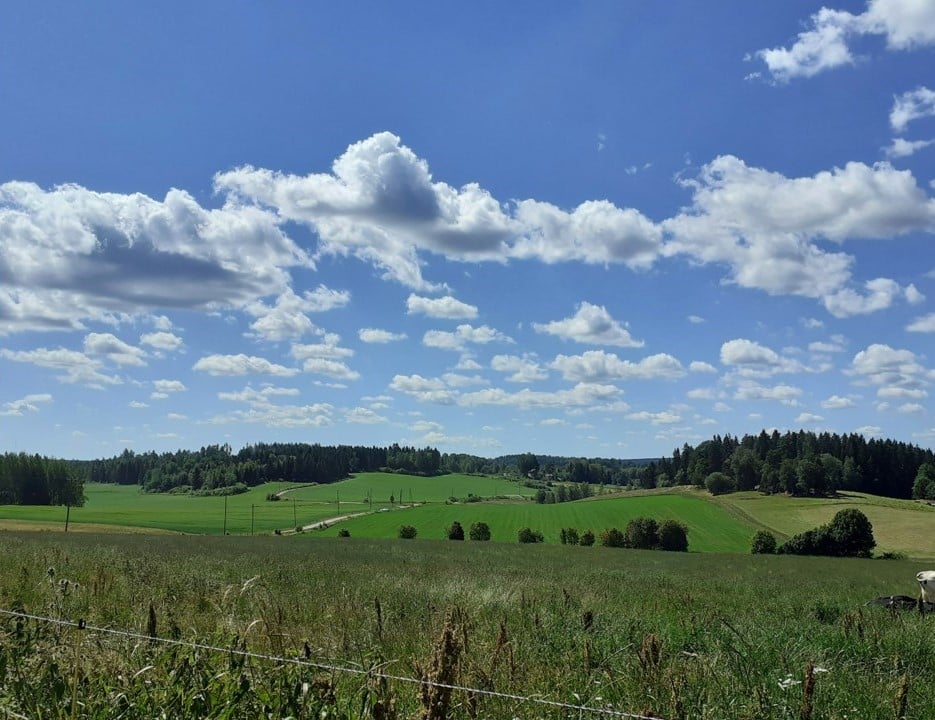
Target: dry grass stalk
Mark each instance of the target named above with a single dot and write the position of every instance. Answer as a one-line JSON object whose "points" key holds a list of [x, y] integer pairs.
{"points": [[808, 693], [434, 695]]}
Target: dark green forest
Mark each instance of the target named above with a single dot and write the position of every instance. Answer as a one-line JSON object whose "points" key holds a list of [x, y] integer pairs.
{"points": [[36, 480]]}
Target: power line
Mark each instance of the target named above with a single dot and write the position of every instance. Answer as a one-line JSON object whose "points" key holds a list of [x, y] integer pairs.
{"points": [[81, 625]]}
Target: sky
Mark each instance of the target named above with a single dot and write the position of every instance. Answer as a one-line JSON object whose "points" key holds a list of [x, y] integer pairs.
{"points": [[598, 229]]}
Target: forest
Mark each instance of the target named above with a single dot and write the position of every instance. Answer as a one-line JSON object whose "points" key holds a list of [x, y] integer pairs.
{"points": [[36, 480]]}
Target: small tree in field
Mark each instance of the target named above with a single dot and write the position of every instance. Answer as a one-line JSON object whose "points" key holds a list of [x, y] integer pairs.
{"points": [[764, 543], [527, 535], [612, 538], [718, 483], [587, 538], [642, 533], [569, 536], [480, 531], [673, 536], [456, 532], [407, 532]]}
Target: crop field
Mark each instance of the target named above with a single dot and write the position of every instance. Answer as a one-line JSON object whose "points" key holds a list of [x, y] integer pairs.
{"points": [[347, 628], [710, 527]]}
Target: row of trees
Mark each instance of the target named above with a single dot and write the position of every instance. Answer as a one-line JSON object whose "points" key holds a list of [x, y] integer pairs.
{"points": [[849, 534], [216, 466], [36, 480], [798, 463]]}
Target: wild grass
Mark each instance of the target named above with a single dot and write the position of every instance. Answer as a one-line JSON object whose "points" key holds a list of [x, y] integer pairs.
{"points": [[665, 634]]}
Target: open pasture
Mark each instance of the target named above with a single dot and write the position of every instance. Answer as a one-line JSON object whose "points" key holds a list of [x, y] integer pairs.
{"points": [[710, 527], [668, 634]]}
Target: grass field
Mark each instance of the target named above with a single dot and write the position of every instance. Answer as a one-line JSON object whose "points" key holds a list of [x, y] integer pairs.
{"points": [[710, 527], [671, 635]]}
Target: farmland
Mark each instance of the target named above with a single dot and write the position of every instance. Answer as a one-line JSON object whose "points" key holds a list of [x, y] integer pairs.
{"points": [[706, 635]]}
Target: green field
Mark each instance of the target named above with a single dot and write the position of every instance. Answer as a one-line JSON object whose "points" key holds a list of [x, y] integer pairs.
{"points": [[670, 635], [710, 527]]}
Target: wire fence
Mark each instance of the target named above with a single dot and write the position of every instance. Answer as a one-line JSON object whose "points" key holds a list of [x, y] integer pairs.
{"points": [[345, 669]]}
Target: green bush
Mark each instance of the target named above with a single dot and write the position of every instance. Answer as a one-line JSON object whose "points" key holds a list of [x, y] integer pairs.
{"points": [[673, 536], [527, 535], [642, 533], [344, 532], [587, 538], [764, 543], [569, 536], [407, 532], [612, 538], [456, 532], [849, 534], [480, 531], [717, 483]]}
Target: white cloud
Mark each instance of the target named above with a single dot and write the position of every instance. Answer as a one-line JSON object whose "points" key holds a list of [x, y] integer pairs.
{"points": [[328, 348], [900, 147], [71, 255], [258, 397], [913, 296], [598, 366], [835, 344], [836, 402], [695, 319], [656, 418], [444, 307], [241, 364], [331, 368], [701, 367], [905, 24], [590, 395], [429, 390], [924, 324], [869, 430], [29, 403], [895, 372], [79, 368], [763, 226], [114, 349], [701, 394], [456, 380], [287, 318], [169, 386], [524, 369], [755, 360], [896, 392], [162, 340], [912, 105], [463, 335], [136, 404], [808, 418], [785, 394], [378, 336], [363, 416], [910, 408], [590, 324]]}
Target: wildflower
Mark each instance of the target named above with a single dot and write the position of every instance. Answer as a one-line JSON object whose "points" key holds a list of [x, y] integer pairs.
{"points": [[788, 681]]}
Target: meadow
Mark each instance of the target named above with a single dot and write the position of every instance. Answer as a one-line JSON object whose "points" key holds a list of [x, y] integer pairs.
{"points": [[667, 635]]}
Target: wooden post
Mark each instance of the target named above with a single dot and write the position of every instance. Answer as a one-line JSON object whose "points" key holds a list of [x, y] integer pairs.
{"points": [[67, 515], [225, 515], [252, 517], [295, 520]]}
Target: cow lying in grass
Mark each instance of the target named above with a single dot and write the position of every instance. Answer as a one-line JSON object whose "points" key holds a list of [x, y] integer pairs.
{"points": [[925, 602]]}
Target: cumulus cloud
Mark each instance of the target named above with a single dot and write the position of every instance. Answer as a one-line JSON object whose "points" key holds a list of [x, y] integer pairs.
{"points": [[241, 364], [444, 307], [599, 366], [79, 369], [287, 317], [69, 255], [701, 367], [162, 340], [894, 371], [905, 25], [590, 324], [912, 105], [656, 418], [590, 395], [378, 336], [523, 369], [807, 418], [363, 416], [924, 324], [836, 402], [169, 386], [754, 360], [29, 403], [429, 390], [114, 349], [764, 227], [463, 336], [900, 147], [785, 394]]}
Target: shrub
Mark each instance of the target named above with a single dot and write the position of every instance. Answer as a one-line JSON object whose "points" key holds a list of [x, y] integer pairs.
{"points": [[717, 483], [344, 532], [612, 538], [764, 543], [480, 531], [673, 536], [569, 536], [587, 538], [456, 532], [642, 533], [849, 534], [526, 535], [407, 532]]}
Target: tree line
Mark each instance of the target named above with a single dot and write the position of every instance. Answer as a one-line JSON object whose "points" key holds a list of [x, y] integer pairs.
{"points": [[36, 480]]}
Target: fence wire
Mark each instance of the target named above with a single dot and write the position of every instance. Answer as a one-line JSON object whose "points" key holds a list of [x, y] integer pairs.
{"points": [[303, 662]]}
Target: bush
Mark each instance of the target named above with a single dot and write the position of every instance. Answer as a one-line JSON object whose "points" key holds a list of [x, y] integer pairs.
{"points": [[612, 538], [587, 538], [717, 483], [642, 534], [673, 536], [764, 543], [480, 531], [456, 532], [849, 534], [407, 532], [526, 535], [569, 536], [344, 532]]}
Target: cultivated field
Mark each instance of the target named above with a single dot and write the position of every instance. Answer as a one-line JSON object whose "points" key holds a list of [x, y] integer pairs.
{"points": [[670, 635]]}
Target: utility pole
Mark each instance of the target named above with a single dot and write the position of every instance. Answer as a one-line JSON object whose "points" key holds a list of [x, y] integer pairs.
{"points": [[225, 514], [67, 515], [252, 517], [295, 521]]}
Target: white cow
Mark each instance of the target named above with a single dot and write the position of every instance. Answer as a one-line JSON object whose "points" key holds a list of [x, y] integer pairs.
{"points": [[926, 580]]}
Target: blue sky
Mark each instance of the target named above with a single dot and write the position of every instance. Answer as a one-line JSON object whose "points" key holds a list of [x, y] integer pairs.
{"points": [[590, 229]]}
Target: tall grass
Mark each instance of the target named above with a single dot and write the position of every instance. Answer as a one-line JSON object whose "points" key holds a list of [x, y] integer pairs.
{"points": [[667, 634]]}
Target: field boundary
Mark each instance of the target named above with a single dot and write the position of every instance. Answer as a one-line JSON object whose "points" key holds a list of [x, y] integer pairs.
{"points": [[81, 625]]}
